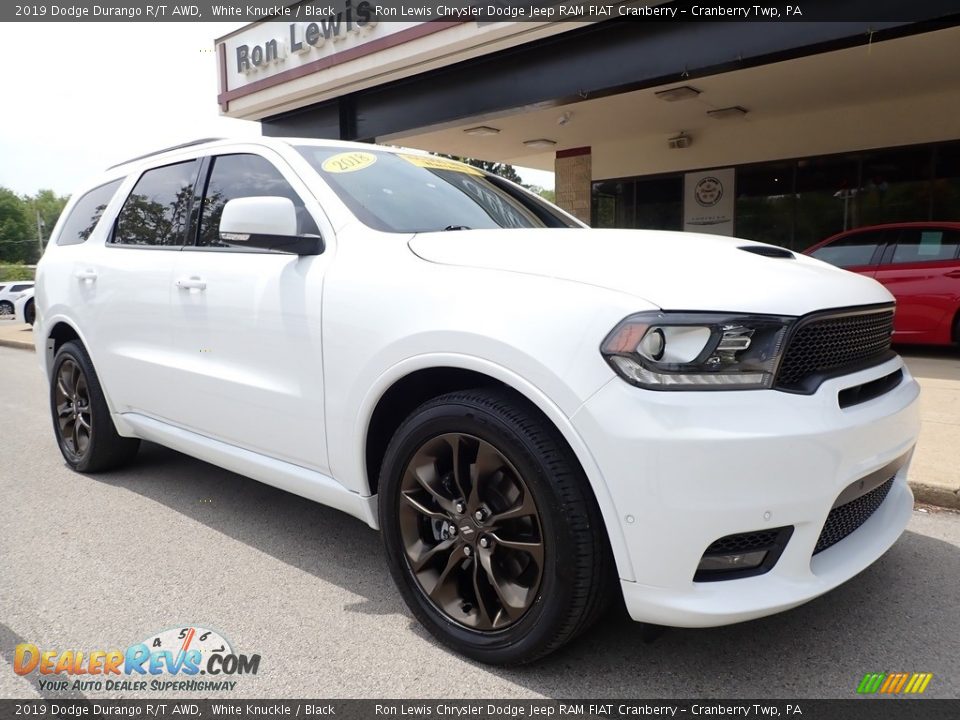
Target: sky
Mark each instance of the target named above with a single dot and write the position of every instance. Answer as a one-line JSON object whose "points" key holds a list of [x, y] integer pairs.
{"points": [[79, 97]]}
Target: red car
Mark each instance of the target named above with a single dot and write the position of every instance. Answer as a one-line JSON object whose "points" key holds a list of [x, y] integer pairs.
{"points": [[918, 262]]}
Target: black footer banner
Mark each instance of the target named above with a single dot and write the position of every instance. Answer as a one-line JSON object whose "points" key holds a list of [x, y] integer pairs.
{"points": [[855, 709]]}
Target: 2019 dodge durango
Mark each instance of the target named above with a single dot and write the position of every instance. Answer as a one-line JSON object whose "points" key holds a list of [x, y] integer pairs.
{"points": [[536, 415]]}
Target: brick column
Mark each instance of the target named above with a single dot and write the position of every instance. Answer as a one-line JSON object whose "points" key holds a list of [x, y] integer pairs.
{"points": [[574, 174]]}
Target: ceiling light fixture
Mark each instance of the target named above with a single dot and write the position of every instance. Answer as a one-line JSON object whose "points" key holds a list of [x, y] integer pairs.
{"points": [[727, 112], [540, 143], [482, 130], [681, 92]]}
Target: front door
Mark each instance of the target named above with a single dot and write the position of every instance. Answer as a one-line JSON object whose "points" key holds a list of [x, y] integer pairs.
{"points": [[246, 326]]}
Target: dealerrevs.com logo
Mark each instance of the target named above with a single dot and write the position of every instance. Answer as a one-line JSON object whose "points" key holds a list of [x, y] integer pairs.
{"points": [[171, 660]]}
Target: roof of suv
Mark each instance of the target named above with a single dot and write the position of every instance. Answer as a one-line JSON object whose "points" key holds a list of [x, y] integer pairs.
{"points": [[266, 142]]}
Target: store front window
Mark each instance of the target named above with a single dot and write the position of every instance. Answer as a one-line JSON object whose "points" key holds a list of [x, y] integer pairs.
{"points": [[797, 203]]}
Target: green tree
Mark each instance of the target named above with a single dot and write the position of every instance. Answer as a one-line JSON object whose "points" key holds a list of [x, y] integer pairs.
{"points": [[18, 239], [48, 205]]}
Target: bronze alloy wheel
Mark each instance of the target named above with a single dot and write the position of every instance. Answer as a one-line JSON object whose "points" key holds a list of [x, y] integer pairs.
{"points": [[72, 401], [471, 532]]}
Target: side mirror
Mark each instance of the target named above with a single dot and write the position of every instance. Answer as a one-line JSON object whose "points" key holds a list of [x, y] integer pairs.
{"points": [[266, 223]]}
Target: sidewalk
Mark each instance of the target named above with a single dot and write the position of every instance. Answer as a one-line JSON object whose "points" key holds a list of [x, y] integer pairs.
{"points": [[935, 474]]}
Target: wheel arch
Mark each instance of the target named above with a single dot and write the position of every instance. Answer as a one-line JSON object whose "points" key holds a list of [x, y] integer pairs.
{"points": [[60, 331], [401, 390]]}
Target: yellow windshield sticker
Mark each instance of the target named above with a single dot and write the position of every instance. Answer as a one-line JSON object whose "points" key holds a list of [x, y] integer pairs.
{"points": [[439, 163], [348, 162]]}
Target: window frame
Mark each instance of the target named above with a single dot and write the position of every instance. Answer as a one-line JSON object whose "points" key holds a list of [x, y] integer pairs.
{"points": [[879, 249], [887, 260], [200, 194], [111, 241], [60, 235]]}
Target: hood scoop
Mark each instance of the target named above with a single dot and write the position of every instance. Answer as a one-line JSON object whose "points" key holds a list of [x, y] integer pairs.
{"points": [[768, 251]]}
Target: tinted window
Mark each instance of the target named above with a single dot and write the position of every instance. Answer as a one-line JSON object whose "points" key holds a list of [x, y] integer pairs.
{"points": [[157, 211], [86, 214], [401, 193], [20, 288], [923, 245], [237, 176], [857, 249]]}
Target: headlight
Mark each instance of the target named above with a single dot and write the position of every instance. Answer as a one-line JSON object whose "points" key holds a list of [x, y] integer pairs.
{"points": [[697, 351]]}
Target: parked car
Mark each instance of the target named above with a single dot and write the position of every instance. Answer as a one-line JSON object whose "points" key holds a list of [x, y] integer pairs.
{"points": [[919, 263], [24, 309], [9, 292], [536, 415]]}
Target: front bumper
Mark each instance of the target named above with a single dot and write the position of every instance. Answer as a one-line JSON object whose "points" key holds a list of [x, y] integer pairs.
{"points": [[684, 469]]}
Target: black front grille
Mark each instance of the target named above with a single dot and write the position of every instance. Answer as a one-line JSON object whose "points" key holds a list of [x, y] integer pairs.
{"points": [[824, 346], [845, 519]]}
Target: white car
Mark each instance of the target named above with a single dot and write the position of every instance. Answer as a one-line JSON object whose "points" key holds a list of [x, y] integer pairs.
{"points": [[536, 415], [24, 307], [9, 291]]}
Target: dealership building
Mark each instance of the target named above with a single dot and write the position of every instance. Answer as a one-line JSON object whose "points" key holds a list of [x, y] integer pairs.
{"points": [[784, 132]]}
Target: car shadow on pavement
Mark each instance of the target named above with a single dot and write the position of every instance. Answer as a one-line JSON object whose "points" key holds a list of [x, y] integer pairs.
{"points": [[898, 615]]}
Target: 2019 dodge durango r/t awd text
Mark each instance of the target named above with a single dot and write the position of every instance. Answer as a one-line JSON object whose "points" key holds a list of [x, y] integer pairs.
{"points": [[536, 415]]}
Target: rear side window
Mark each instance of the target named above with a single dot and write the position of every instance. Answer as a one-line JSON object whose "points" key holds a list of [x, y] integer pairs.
{"points": [[241, 175], [158, 210], [86, 214], [925, 245], [20, 288], [850, 251]]}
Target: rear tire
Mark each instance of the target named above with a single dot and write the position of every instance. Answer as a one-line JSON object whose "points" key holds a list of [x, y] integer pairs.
{"points": [[530, 575], [6, 307], [82, 424]]}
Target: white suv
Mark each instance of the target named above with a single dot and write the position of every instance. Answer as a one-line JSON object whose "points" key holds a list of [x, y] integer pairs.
{"points": [[534, 414]]}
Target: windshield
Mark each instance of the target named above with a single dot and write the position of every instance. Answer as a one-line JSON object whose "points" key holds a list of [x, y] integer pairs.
{"points": [[407, 193]]}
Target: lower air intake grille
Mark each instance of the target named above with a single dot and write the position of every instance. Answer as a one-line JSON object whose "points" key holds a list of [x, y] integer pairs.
{"points": [[845, 519], [744, 542]]}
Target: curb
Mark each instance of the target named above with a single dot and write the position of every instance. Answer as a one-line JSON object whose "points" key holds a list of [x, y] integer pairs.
{"points": [[937, 496], [18, 344]]}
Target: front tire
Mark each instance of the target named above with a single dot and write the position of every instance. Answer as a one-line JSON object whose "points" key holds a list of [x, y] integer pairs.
{"points": [[6, 307], [491, 531], [82, 424], [29, 312]]}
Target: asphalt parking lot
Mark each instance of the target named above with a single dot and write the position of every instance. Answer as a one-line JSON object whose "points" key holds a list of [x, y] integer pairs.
{"points": [[100, 562]]}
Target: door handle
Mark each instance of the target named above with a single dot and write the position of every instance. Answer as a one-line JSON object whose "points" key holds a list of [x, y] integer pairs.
{"points": [[191, 283], [87, 275], [953, 274]]}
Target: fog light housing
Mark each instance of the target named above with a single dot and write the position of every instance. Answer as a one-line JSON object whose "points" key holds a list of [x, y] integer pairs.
{"points": [[727, 563], [742, 555]]}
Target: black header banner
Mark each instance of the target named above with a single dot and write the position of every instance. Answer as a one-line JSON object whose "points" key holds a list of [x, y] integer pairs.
{"points": [[855, 709], [481, 11]]}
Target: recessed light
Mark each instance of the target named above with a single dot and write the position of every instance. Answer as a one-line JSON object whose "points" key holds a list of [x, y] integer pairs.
{"points": [[540, 143], [482, 130], [681, 92], [727, 112]]}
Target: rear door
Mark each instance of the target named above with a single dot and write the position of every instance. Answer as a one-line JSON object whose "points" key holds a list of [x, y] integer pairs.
{"points": [[125, 287], [922, 271], [246, 323]]}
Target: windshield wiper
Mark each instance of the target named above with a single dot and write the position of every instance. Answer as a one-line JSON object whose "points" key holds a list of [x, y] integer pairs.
{"points": [[456, 227]]}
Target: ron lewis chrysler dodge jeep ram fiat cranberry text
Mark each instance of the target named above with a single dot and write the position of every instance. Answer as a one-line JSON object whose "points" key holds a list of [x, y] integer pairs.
{"points": [[536, 415]]}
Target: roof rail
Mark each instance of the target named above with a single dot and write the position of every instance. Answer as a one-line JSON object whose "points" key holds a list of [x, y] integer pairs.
{"points": [[200, 141]]}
